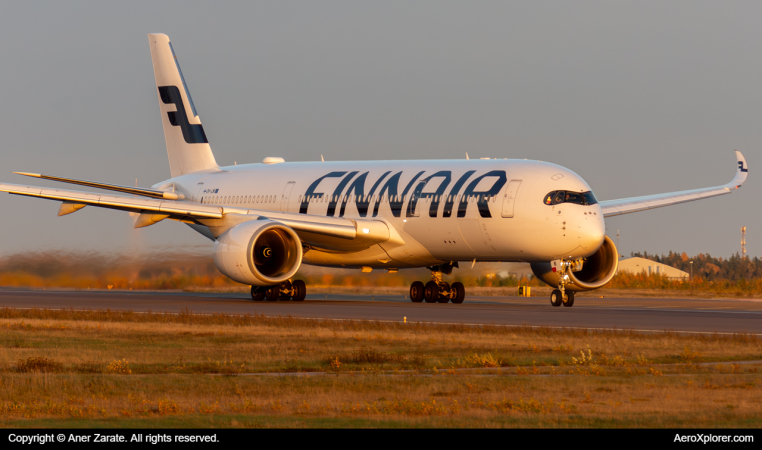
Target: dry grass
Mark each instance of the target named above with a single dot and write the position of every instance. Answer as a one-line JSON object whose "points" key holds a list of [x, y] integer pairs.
{"points": [[81, 367]]}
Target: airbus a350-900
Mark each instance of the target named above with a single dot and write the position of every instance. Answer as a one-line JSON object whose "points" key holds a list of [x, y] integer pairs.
{"points": [[268, 219]]}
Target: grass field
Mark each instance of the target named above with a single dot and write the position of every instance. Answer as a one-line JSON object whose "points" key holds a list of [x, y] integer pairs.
{"points": [[115, 369]]}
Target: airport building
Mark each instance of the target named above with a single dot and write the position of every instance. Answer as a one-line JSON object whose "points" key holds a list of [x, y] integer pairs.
{"points": [[637, 265]]}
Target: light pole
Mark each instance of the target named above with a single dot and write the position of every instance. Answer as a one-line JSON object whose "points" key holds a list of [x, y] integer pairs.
{"points": [[691, 277]]}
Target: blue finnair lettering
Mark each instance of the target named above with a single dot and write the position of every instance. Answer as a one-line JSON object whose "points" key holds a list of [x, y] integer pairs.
{"points": [[337, 192], [311, 192], [446, 175], [357, 189], [391, 190], [482, 197], [741, 167], [453, 195], [390, 193]]}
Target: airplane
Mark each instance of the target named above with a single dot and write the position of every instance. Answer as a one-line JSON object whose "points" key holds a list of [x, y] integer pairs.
{"points": [[269, 218]]}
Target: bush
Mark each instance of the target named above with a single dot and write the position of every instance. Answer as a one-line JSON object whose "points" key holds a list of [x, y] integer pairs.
{"points": [[38, 364]]}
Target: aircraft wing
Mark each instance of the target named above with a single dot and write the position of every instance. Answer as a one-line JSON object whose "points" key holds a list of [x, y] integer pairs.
{"points": [[635, 204], [153, 210]]}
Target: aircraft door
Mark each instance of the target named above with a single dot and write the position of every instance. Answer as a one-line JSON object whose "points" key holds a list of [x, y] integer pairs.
{"points": [[197, 192], [509, 198], [286, 195]]}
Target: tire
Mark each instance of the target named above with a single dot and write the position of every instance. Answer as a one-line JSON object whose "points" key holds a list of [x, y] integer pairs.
{"points": [[272, 293], [444, 298], [556, 297], [431, 292], [416, 292], [286, 285], [569, 302], [460, 292], [257, 294], [300, 290]]}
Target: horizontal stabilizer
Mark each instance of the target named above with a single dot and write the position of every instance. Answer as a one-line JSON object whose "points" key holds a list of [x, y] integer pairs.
{"points": [[120, 202], [153, 193]]}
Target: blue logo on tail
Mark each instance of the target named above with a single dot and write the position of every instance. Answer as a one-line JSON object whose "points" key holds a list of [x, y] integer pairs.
{"points": [[193, 134]]}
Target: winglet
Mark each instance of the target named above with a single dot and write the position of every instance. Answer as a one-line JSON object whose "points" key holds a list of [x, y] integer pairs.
{"points": [[742, 171]]}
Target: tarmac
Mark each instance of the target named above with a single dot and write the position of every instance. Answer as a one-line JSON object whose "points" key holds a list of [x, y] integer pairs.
{"points": [[639, 314]]}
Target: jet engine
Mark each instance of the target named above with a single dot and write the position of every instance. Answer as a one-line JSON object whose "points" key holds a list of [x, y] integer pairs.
{"points": [[593, 272], [258, 253]]}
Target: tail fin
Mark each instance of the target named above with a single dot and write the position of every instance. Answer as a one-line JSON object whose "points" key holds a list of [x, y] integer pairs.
{"points": [[187, 147]]}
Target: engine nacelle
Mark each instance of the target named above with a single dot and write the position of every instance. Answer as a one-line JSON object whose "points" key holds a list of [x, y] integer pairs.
{"points": [[597, 270], [259, 253]]}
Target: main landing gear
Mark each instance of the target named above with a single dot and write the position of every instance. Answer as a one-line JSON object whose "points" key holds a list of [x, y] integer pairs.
{"points": [[287, 290], [437, 290]]}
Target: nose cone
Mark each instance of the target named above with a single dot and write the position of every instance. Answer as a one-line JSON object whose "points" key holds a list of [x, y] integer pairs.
{"points": [[591, 230]]}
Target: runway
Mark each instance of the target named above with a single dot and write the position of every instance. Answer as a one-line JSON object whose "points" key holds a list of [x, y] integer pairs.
{"points": [[645, 314]]}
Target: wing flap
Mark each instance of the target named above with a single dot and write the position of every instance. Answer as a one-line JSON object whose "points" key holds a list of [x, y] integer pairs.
{"points": [[635, 204]]}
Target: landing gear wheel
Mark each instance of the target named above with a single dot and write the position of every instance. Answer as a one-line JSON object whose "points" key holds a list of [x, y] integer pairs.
{"points": [[416, 292], [300, 290], [272, 293], [569, 300], [556, 297], [431, 292], [460, 292], [445, 287], [285, 286], [257, 294]]}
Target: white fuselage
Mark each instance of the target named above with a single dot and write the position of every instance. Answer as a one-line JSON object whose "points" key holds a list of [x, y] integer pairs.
{"points": [[440, 210]]}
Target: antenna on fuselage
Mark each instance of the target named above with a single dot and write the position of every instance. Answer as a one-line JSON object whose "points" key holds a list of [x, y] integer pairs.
{"points": [[321, 158], [467, 156]]}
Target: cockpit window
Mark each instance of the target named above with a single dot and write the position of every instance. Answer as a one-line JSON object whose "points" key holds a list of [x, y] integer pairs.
{"points": [[573, 197], [579, 198], [589, 198]]}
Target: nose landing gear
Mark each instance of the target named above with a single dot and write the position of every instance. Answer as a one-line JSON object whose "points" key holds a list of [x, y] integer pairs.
{"points": [[558, 298], [562, 296], [287, 290], [438, 290]]}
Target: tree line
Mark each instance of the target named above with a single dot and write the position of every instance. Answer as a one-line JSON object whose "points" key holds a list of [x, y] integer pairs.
{"points": [[708, 267]]}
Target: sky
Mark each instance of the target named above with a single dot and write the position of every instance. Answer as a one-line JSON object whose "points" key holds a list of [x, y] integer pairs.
{"points": [[636, 97]]}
